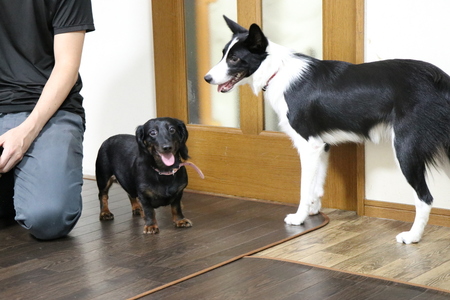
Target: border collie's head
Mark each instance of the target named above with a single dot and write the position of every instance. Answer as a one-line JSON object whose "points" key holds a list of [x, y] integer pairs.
{"points": [[242, 56]]}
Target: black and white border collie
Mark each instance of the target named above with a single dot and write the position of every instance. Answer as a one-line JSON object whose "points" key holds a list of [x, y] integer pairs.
{"points": [[322, 103]]}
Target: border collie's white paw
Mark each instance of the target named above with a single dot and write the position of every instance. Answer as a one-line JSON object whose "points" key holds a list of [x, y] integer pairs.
{"points": [[294, 219], [408, 237], [315, 207]]}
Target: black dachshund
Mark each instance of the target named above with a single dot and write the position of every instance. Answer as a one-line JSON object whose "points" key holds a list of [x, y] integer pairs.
{"points": [[149, 167]]}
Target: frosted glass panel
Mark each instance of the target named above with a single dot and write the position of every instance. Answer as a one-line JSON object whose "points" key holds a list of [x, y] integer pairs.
{"points": [[206, 35], [296, 24]]}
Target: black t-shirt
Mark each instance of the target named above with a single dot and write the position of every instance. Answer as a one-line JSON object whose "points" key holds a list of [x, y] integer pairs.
{"points": [[27, 29]]}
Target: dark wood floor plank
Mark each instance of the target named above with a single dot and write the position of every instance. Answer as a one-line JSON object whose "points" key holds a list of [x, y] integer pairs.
{"points": [[257, 278], [115, 260]]}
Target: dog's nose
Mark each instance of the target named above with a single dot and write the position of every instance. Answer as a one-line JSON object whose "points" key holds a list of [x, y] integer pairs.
{"points": [[167, 148], [208, 78]]}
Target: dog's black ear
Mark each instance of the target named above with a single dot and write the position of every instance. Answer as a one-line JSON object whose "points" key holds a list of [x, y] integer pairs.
{"points": [[182, 131], [256, 40], [234, 27], [140, 136]]}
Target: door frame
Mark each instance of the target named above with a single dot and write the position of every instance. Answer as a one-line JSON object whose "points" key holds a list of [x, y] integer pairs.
{"points": [[343, 39]]}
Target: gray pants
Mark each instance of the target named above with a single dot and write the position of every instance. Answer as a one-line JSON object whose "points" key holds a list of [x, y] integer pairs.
{"points": [[47, 183]]}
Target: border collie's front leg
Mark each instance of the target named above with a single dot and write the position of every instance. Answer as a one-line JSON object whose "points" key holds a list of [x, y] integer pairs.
{"points": [[314, 163], [319, 182]]}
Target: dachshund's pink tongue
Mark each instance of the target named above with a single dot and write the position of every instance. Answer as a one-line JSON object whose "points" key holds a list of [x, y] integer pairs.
{"points": [[167, 158]]}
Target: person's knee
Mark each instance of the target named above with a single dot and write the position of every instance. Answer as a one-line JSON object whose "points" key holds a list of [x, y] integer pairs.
{"points": [[47, 223]]}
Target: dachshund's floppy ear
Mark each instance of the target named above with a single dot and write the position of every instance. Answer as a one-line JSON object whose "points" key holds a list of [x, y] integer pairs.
{"points": [[182, 131], [140, 137]]}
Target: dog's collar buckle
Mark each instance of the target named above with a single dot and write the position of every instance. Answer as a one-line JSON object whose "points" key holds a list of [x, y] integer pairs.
{"points": [[174, 170], [267, 84], [171, 172]]}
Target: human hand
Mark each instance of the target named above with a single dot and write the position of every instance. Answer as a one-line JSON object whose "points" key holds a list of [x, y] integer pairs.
{"points": [[14, 143]]}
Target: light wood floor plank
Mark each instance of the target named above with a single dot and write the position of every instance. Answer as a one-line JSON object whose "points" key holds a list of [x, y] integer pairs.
{"points": [[367, 246]]}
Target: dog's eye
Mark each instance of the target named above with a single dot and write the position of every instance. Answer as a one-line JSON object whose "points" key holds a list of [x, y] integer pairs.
{"points": [[153, 133], [233, 59], [172, 130]]}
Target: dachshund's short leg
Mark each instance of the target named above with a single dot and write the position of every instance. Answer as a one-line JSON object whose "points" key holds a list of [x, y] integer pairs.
{"points": [[151, 225], [136, 207], [177, 215], [105, 213]]}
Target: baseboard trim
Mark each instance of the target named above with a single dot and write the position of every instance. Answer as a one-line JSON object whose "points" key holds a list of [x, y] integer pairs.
{"points": [[404, 212]]}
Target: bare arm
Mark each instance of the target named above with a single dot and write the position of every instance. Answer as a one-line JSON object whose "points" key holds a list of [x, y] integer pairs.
{"points": [[15, 142]]}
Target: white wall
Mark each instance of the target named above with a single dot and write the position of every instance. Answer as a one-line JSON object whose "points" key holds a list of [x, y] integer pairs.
{"points": [[118, 73], [416, 29]]}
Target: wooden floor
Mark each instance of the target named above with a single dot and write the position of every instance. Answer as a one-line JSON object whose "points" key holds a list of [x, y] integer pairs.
{"points": [[367, 246], [261, 278], [115, 260]]}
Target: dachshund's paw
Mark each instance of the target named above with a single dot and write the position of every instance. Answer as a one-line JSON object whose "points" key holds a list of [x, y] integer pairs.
{"points": [[153, 229], [408, 237], [106, 216], [137, 212], [295, 219], [183, 223]]}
